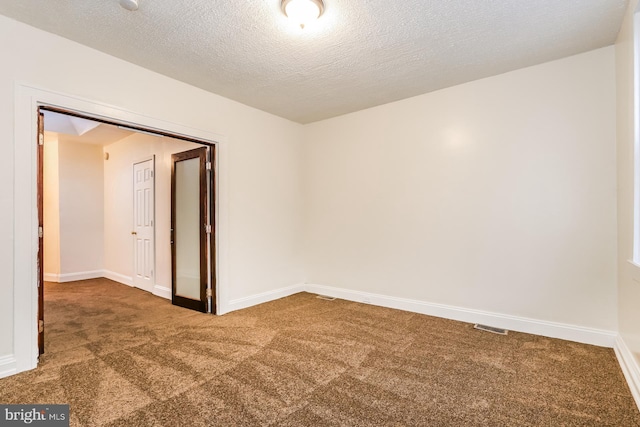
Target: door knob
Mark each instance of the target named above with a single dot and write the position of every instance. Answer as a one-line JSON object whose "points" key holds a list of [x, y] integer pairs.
{"points": [[133, 233]]}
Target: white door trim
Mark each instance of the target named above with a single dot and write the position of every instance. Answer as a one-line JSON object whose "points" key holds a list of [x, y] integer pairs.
{"points": [[25, 220]]}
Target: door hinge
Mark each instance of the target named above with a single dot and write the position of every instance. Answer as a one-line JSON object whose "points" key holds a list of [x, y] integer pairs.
{"points": [[208, 165], [209, 293], [40, 232], [40, 326], [40, 139], [151, 174], [207, 228]]}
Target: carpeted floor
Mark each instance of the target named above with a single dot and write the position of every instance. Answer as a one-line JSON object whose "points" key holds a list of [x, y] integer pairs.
{"points": [[122, 357]]}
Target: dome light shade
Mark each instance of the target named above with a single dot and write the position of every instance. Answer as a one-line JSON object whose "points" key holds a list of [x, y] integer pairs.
{"points": [[129, 4], [302, 12]]}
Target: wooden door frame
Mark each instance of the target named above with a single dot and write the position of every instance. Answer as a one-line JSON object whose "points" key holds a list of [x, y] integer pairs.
{"points": [[209, 214], [212, 211], [206, 239], [40, 183]]}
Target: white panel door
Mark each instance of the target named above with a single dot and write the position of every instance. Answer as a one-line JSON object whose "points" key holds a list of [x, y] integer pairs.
{"points": [[143, 225]]}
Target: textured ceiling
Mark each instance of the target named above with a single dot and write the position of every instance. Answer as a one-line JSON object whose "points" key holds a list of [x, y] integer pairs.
{"points": [[357, 55]]}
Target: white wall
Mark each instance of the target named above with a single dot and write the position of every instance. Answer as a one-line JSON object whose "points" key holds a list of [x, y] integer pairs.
{"points": [[263, 169], [51, 208], [497, 195], [118, 202], [628, 274], [81, 189]]}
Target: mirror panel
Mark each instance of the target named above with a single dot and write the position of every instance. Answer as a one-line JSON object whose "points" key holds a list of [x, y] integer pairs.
{"points": [[187, 228]]}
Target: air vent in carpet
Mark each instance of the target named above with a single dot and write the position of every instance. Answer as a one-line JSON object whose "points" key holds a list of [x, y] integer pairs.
{"points": [[326, 298], [491, 329]]}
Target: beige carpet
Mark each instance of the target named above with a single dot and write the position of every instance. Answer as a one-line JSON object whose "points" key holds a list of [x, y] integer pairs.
{"points": [[122, 357]]}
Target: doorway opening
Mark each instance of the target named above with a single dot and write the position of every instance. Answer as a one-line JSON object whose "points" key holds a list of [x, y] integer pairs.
{"points": [[147, 189]]}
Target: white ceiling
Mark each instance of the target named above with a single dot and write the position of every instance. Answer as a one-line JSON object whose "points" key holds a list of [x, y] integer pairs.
{"points": [[357, 55], [70, 125], [76, 129]]}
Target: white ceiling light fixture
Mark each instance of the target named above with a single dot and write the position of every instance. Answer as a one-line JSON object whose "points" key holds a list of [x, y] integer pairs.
{"points": [[302, 12], [129, 4]]}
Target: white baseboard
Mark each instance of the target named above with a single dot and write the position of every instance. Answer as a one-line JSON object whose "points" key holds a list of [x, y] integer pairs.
{"points": [[158, 290], [7, 366], [563, 331], [82, 275], [117, 277], [162, 292], [630, 367], [240, 303], [72, 277], [51, 277]]}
